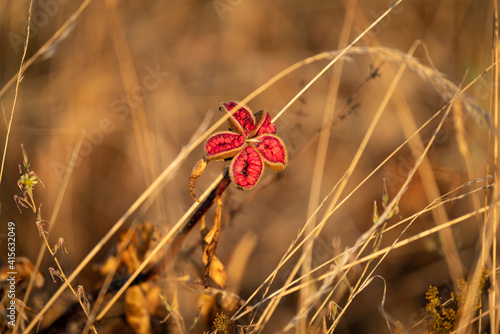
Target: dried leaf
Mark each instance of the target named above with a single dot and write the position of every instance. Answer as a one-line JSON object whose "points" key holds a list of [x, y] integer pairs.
{"points": [[198, 169], [217, 272], [136, 310], [213, 267]]}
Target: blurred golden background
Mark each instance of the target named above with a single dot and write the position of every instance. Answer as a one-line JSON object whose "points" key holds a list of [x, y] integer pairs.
{"points": [[174, 62]]}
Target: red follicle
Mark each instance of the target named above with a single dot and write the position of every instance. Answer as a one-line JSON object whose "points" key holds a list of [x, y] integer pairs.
{"points": [[251, 144], [223, 142], [246, 168], [271, 149]]}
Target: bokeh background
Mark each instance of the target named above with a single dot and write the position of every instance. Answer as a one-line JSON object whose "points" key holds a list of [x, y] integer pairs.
{"points": [[174, 62]]}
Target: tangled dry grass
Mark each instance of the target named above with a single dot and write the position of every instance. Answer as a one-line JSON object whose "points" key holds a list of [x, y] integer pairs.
{"points": [[385, 219]]}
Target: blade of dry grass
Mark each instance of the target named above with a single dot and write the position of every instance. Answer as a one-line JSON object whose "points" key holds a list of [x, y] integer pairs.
{"points": [[217, 124], [489, 242], [244, 310], [356, 159], [287, 290], [495, 324], [130, 80], [160, 245], [321, 154], [18, 79], [48, 46], [272, 306], [430, 185], [53, 219], [169, 172]]}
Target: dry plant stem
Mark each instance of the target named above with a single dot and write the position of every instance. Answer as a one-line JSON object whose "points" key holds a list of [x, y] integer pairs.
{"points": [[59, 35], [167, 174], [496, 75], [65, 279], [369, 257], [336, 117], [385, 250], [319, 165], [291, 251], [52, 220], [331, 63], [272, 306], [129, 78], [358, 154], [18, 81], [491, 223], [99, 297], [430, 185], [207, 200], [464, 149], [242, 311]]}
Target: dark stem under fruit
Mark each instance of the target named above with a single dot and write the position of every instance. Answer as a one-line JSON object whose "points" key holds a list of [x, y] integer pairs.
{"points": [[73, 312]]}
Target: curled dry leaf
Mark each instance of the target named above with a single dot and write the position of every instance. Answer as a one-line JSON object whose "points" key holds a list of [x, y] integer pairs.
{"points": [[213, 266], [141, 302], [136, 310]]}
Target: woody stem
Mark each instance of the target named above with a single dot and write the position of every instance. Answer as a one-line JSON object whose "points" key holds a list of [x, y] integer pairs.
{"points": [[181, 236], [174, 247]]}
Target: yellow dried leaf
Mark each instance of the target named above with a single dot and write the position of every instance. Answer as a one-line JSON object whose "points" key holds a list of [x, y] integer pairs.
{"points": [[136, 310], [218, 272], [213, 267]]}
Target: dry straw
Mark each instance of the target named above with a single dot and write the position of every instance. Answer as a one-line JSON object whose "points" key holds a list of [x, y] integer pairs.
{"points": [[464, 105]]}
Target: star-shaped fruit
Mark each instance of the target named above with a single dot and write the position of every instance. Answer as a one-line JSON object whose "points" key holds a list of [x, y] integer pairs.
{"points": [[250, 144]]}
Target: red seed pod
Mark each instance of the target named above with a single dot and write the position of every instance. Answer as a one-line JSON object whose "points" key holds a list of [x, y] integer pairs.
{"points": [[273, 152], [223, 145], [242, 121], [246, 169], [252, 144]]}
